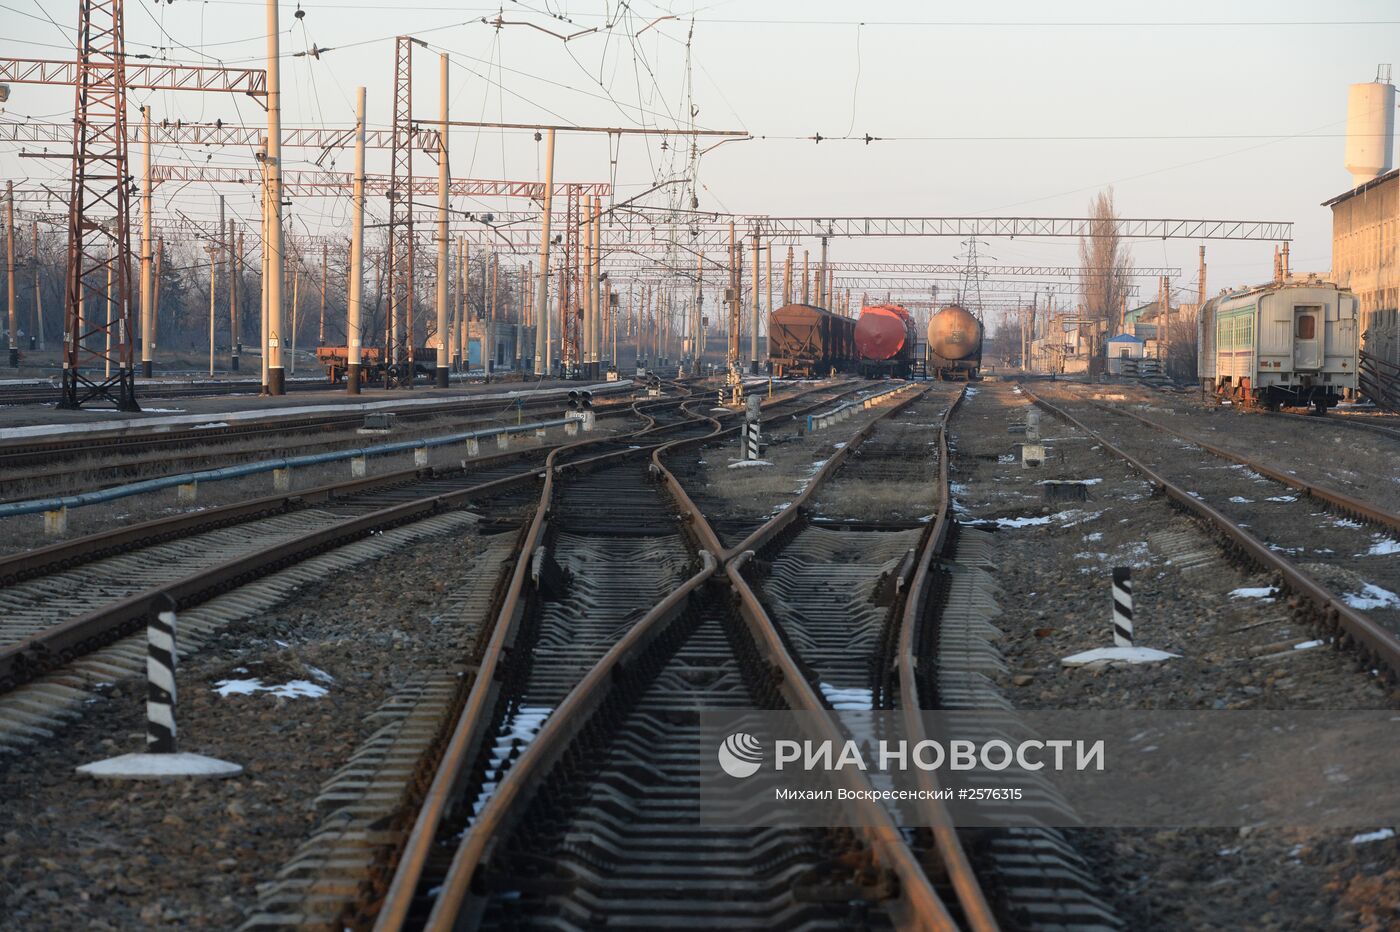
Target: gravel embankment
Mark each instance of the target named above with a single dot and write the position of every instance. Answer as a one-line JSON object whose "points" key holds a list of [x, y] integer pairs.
{"points": [[104, 855], [1238, 651]]}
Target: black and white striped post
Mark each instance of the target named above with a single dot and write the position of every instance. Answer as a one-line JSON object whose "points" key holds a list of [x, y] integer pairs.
{"points": [[751, 434], [161, 759], [160, 682], [1123, 606]]}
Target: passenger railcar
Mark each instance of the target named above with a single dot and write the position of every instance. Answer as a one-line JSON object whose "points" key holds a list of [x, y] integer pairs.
{"points": [[885, 340], [1283, 344], [954, 344], [805, 340]]}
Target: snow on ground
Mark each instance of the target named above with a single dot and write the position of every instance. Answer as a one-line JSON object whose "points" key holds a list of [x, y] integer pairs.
{"points": [[295, 689], [1372, 596], [1267, 593], [743, 464], [1380, 834], [848, 699]]}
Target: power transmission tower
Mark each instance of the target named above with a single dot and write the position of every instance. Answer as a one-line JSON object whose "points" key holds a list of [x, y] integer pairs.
{"points": [[97, 248]]}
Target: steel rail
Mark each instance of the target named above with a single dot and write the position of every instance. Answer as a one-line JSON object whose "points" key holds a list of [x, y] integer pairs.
{"points": [[473, 719], [1353, 421], [976, 910], [28, 564], [923, 909], [1351, 625], [1339, 500], [57, 644]]}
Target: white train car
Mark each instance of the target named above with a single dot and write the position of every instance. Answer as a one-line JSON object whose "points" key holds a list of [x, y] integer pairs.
{"points": [[1285, 344]]}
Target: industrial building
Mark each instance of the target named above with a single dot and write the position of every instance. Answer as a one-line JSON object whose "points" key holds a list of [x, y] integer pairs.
{"points": [[1365, 218]]}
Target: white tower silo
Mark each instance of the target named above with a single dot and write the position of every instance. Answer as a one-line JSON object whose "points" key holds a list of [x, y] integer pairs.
{"points": [[1370, 127]]}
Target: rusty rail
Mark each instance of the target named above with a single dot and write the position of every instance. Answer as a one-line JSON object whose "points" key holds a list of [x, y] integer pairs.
{"points": [[1366, 634], [922, 907], [974, 904], [1345, 503], [470, 728]]}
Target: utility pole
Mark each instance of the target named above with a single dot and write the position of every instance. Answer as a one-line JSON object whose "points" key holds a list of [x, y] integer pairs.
{"points": [[824, 296], [544, 361], [806, 280], [355, 298], [599, 309], [1201, 279], [213, 251], [235, 266], [10, 266], [732, 357], [276, 376], [443, 243], [325, 263], [753, 324], [38, 290], [148, 326], [787, 278], [589, 311], [768, 280], [697, 327], [266, 264]]}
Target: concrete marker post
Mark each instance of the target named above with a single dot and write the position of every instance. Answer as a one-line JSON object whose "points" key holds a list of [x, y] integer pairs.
{"points": [[473, 446], [282, 479], [56, 522], [186, 493], [161, 760], [358, 467], [420, 456], [1123, 606]]}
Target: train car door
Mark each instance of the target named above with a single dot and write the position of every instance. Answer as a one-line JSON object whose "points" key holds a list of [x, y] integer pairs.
{"points": [[1307, 336]]}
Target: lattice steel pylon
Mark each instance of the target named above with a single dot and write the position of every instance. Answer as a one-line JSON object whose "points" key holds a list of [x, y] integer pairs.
{"points": [[398, 342], [98, 242]]}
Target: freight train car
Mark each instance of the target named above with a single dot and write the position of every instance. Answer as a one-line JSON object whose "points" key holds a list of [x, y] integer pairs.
{"points": [[336, 360], [885, 339], [806, 340], [954, 344], [1291, 343]]}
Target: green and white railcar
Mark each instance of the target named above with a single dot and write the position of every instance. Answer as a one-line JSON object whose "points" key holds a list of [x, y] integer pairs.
{"points": [[1292, 344]]}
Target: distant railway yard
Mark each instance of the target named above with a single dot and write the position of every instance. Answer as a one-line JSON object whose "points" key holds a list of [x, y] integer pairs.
{"points": [[419, 669]]}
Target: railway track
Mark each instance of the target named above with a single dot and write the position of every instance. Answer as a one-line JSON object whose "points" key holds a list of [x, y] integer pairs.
{"points": [[1335, 564], [105, 469], [47, 453], [66, 600], [582, 802]]}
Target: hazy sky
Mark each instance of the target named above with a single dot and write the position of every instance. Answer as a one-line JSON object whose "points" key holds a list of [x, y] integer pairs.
{"points": [[1245, 103]]}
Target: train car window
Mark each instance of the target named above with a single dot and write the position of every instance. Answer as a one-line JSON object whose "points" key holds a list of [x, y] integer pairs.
{"points": [[1307, 327]]}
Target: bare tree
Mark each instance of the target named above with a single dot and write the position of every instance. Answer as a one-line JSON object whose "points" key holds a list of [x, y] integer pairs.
{"points": [[1104, 263]]}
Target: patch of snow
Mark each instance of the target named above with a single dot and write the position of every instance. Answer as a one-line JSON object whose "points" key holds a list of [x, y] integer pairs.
{"points": [[744, 464], [840, 445], [1372, 596], [1308, 645], [1107, 656], [848, 699], [318, 673], [1380, 834], [1241, 500], [205, 426], [1345, 522], [1267, 593], [1384, 546], [295, 689], [1281, 498], [1097, 535]]}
